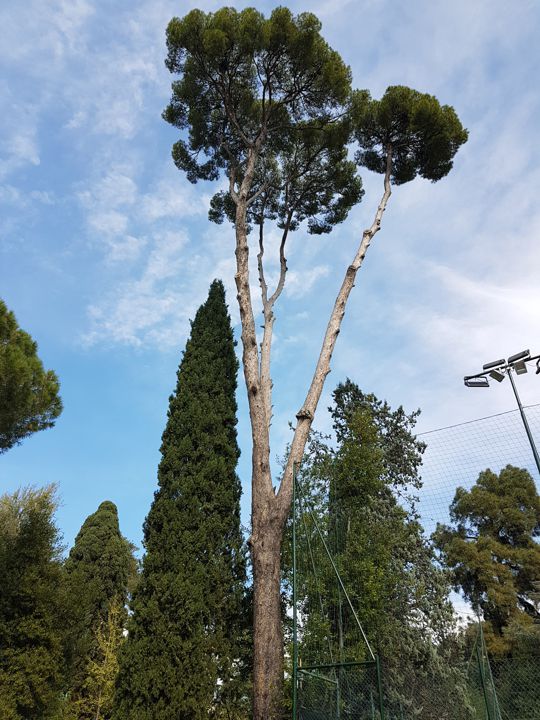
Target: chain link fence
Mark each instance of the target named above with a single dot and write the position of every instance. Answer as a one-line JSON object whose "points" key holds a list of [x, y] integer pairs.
{"points": [[352, 686], [340, 692]]}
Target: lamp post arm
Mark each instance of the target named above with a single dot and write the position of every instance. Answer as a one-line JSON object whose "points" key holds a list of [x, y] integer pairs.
{"points": [[525, 422]]}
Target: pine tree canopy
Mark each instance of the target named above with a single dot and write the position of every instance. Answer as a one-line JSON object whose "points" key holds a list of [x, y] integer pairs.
{"points": [[422, 135], [29, 399], [184, 651], [31, 611], [271, 83], [492, 550]]}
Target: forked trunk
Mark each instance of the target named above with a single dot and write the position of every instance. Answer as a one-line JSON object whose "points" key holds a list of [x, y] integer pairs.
{"points": [[269, 511]]}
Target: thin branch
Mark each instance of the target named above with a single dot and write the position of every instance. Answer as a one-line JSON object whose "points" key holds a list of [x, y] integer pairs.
{"points": [[306, 414], [269, 317], [282, 261], [262, 280], [232, 181]]}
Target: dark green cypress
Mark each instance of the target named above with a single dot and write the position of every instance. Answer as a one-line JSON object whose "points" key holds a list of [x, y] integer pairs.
{"points": [[182, 657], [100, 569]]}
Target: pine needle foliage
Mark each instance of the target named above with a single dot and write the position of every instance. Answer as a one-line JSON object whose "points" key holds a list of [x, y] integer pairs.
{"points": [[183, 655], [493, 552], [29, 399]]}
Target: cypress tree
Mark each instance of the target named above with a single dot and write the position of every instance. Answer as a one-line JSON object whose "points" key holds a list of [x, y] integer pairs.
{"points": [[182, 657], [100, 570], [31, 659]]}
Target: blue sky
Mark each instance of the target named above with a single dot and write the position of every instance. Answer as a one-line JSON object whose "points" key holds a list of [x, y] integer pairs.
{"points": [[106, 252]]}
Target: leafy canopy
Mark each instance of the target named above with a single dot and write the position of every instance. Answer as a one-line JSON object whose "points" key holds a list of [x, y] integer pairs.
{"points": [[358, 491], [422, 135], [270, 89], [492, 549], [31, 606], [29, 399]]}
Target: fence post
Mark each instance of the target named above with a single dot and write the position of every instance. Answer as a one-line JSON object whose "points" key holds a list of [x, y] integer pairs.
{"points": [[483, 681], [379, 686]]}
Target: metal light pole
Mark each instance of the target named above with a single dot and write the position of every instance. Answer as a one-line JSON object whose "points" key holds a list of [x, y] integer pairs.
{"points": [[497, 370]]}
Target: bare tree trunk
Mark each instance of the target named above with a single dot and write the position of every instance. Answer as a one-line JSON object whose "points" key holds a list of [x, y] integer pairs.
{"points": [[267, 621], [270, 511]]}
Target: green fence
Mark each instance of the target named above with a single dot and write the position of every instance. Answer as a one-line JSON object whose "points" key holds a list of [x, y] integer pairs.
{"points": [[340, 692]]}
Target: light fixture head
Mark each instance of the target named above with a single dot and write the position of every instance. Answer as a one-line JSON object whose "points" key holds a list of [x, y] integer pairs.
{"points": [[496, 375], [520, 367], [476, 381], [494, 364], [523, 355]]}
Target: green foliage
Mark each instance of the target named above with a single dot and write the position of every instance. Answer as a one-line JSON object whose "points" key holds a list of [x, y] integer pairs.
{"points": [[360, 492], [100, 570], [184, 654], [422, 135], [96, 699], [29, 399], [269, 88], [31, 612], [492, 551]]}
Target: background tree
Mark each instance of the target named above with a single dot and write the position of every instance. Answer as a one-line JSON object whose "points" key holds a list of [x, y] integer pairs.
{"points": [[492, 551], [266, 102], [31, 610], [100, 570], [96, 700], [29, 399], [184, 650], [363, 496]]}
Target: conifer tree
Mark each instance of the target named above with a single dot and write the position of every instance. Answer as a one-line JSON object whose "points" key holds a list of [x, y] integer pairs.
{"points": [[182, 658], [493, 553], [361, 492], [100, 570], [31, 660], [29, 394]]}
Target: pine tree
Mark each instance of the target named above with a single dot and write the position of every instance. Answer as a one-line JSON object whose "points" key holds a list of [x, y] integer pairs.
{"points": [[31, 660], [29, 394], [100, 570], [492, 550], [181, 659]]}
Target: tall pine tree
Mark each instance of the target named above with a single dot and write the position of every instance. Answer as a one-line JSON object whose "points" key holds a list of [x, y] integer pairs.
{"points": [[183, 655], [100, 570]]}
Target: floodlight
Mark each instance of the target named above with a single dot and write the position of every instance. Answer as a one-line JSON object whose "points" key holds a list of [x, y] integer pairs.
{"points": [[496, 375], [476, 381], [524, 355], [520, 367], [494, 364]]}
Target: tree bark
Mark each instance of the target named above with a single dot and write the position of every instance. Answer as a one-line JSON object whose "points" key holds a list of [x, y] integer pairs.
{"points": [[267, 621], [270, 511]]}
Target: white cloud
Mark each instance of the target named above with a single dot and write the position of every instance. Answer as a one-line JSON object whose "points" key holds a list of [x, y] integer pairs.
{"points": [[300, 282], [172, 197], [125, 250], [19, 146]]}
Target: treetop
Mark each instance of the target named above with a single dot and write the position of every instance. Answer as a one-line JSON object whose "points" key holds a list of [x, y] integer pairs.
{"points": [[246, 79], [423, 135]]}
